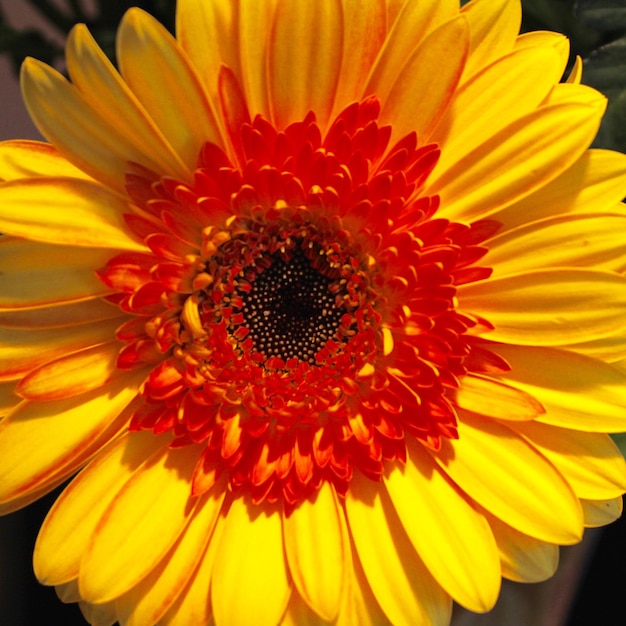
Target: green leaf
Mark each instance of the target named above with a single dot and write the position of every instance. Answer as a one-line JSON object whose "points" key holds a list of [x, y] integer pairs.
{"points": [[604, 15], [620, 440]]}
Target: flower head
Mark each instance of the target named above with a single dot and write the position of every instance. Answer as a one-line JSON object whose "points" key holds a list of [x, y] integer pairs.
{"points": [[305, 292]]}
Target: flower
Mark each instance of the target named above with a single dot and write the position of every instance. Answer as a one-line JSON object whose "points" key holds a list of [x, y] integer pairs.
{"points": [[321, 299]]}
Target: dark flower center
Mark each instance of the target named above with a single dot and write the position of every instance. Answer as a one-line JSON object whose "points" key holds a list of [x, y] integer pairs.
{"points": [[290, 309]]}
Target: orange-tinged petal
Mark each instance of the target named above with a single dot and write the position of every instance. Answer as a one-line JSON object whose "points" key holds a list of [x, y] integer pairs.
{"points": [[139, 526], [494, 25], [438, 62], [415, 20], [148, 601], [590, 462], [72, 375], [564, 240], [24, 349], [67, 529], [250, 563], [41, 440], [314, 547], [602, 512], [8, 398], [490, 462], [36, 274], [451, 537], [87, 133], [400, 582], [523, 558], [65, 211], [492, 398], [578, 392], [549, 307], [26, 159], [163, 80], [303, 77]]}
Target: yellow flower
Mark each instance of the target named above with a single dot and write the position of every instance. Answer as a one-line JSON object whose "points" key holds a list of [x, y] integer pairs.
{"points": [[323, 299]]}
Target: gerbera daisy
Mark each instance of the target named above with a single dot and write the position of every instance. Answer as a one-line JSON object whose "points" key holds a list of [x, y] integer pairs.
{"points": [[321, 300]]}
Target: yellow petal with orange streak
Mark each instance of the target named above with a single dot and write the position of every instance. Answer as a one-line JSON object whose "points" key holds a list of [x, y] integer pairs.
{"points": [[57, 316], [40, 440], [315, 551], [590, 462], [497, 95], [27, 159], [549, 307], [438, 63], [596, 182], [303, 77], [494, 26], [254, 25], [499, 470], [577, 391], [207, 31], [72, 375], [451, 537], [162, 79], [250, 582], [25, 349], [413, 23], [602, 512], [523, 558], [400, 582], [489, 397], [517, 160], [573, 240], [71, 521], [88, 134], [66, 211], [141, 523], [37, 274], [147, 602], [359, 52], [193, 605]]}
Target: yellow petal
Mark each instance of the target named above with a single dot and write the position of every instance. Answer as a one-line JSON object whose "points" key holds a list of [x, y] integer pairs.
{"points": [[299, 614], [139, 526], [303, 77], [67, 529], [451, 537], [512, 163], [400, 582], [415, 20], [98, 614], [83, 129], [438, 63], [499, 470], [250, 582], [166, 85], [26, 159], [72, 375], [545, 39], [602, 512], [590, 462], [315, 551], [508, 89], [491, 398], [549, 307], [24, 349], [596, 182], [148, 601], [523, 558], [494, 25], [65, 211], [40, 441], [36, 274], [578, 240], [577, 392]]}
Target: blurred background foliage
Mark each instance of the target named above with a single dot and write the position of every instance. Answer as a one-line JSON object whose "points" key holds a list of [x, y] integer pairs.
{"points": [[596, 29]]}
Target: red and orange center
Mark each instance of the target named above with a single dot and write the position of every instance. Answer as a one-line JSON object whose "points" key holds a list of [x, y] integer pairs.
{"points": [[297, 306]]}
